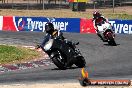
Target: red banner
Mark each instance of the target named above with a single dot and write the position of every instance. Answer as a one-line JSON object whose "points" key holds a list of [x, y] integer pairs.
{"points": [[8, 24], [86, 26]]}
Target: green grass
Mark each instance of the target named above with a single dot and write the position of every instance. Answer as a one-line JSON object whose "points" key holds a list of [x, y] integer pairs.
{"points": [[10, 54], [119, 16], [115, 16]]}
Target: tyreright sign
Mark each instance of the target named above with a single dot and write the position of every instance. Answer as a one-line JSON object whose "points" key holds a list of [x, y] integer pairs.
{"points": [[38, 24], [122, 26], [119, 26]]}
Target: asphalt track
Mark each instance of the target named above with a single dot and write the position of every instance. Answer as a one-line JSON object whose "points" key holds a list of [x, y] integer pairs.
{"points": [[102, 61]]}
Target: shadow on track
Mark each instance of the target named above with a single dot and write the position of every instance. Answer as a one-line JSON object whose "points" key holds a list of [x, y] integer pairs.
{"points": [[65, 69], [111, 45]]}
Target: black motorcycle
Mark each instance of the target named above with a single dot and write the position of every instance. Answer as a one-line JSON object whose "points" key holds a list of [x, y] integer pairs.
{"points": [[64, 54]]}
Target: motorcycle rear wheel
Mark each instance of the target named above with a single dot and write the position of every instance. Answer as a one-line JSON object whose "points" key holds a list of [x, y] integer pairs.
{"points": [[80, 62], [111, 40]]}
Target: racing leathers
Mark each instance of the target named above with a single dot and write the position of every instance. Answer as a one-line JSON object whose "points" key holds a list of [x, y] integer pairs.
{"points": [[56, 34], [98, 22]]}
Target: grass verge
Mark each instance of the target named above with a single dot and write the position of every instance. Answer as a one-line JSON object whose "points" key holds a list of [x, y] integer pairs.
{"points": [[120, 16], [119, 13], [13, 54]]}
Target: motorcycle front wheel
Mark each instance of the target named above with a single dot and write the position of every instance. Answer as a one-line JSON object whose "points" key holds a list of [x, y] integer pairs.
{"points": [[58, 62]]}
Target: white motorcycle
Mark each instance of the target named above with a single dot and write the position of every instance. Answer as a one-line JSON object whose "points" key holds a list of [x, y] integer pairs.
{"points": [[108, 34]]}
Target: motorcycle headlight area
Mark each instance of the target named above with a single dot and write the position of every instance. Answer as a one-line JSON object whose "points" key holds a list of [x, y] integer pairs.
{"points": [[48, 45]]}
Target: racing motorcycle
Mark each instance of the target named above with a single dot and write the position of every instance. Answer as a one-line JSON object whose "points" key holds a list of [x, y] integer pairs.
{"points": [[108, 34], [64, 54]]}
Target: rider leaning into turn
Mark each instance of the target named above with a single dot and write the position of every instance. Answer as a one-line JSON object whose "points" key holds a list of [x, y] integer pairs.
{"points": [[50, 33], [53, 33], [98, 19]]}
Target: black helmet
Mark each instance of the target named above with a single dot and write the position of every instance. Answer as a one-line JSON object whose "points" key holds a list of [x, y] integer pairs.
{"points": [[96, 15], [49, 27]]}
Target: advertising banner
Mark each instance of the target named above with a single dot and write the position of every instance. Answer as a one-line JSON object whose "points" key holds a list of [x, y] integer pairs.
{"points": [[8, 23], [86, 26], [83, 25], [119, 26], [122, 26], [38, 24]]}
